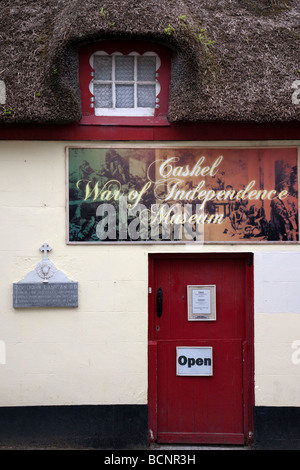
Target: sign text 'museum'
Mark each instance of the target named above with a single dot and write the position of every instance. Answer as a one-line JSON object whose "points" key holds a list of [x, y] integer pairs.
{"points": [[182, 195]]}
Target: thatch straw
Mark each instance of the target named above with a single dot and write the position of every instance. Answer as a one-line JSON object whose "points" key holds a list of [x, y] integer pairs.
{"points": [[241, 69]]}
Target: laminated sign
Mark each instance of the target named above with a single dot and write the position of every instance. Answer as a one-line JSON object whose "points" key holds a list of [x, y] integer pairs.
{"points": [[194, 361]]}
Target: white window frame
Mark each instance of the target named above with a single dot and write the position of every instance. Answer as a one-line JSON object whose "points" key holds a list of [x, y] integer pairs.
{"points": [[134, 111]]}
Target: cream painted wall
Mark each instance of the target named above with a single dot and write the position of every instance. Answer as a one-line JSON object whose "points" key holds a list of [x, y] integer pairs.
{"points": [[277, 327], [97, 353]]}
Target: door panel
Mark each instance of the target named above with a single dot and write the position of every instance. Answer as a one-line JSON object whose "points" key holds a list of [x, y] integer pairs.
{"points": [[195, 409], [200, 405]]}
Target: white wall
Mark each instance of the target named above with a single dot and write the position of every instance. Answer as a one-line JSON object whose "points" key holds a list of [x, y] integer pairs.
{"points": [[97, 353], [277, 328]]}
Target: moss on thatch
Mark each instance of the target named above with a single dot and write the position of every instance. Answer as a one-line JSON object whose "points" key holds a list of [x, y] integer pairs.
{"points": [[231, 60]]}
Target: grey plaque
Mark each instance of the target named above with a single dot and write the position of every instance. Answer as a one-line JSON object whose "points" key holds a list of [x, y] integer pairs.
{"points": [[56, 294], [45, 286]]}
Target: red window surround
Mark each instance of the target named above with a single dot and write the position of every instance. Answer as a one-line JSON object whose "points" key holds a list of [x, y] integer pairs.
{"points": [[124, 47]]}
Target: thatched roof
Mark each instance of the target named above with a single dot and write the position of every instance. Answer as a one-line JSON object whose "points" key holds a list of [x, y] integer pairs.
{"points": [[246, 74]]}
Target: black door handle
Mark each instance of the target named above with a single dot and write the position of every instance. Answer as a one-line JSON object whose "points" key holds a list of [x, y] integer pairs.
{"points": [[159, 302]]}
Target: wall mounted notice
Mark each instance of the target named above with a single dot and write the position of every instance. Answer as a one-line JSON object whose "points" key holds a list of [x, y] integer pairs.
{"points": [[182, 195], [45, 286]]}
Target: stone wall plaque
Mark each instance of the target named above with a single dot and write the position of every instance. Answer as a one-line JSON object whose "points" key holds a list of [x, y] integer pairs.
{"points": [[45, 286], [57, 294]]}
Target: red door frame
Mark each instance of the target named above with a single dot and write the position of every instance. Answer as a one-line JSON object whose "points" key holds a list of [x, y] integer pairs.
{"points": [[248, 344]]}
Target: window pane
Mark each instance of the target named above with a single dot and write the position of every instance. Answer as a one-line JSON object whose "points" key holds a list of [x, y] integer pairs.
{"points": [[146, 95], [124, 68], [102, 67], [146, 67], [103, 96], [124, 96]]}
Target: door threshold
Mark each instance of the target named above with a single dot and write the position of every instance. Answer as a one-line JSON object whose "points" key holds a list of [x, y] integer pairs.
{"points": [[175, 447]]}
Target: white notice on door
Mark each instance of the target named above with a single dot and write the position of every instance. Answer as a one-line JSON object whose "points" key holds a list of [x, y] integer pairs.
{"points": [[194, 361], [201, 301]]}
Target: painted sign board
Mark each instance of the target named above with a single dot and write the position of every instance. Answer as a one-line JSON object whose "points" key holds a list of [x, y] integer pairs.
{"points": [[194, 361], [182, 195]]}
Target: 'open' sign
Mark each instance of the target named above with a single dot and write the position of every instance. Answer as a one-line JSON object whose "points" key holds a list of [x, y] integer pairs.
{"points": [[194, 361]]}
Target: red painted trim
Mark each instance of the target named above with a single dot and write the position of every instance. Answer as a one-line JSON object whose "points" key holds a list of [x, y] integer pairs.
{"points": [[152, 392], [152, 364], [125, 47], [125, 121], [248, 349], [248, 353], [173, 132]]}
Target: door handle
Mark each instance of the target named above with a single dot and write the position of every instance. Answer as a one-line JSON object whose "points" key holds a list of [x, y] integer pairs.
{"points": [[159, 302]]}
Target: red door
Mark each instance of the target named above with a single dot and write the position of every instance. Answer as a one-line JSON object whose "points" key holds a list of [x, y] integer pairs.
{"points": [[200, 365]]}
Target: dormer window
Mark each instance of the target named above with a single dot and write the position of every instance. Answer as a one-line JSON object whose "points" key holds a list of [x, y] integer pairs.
{"points": [[125, 85], [119, 84]]}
